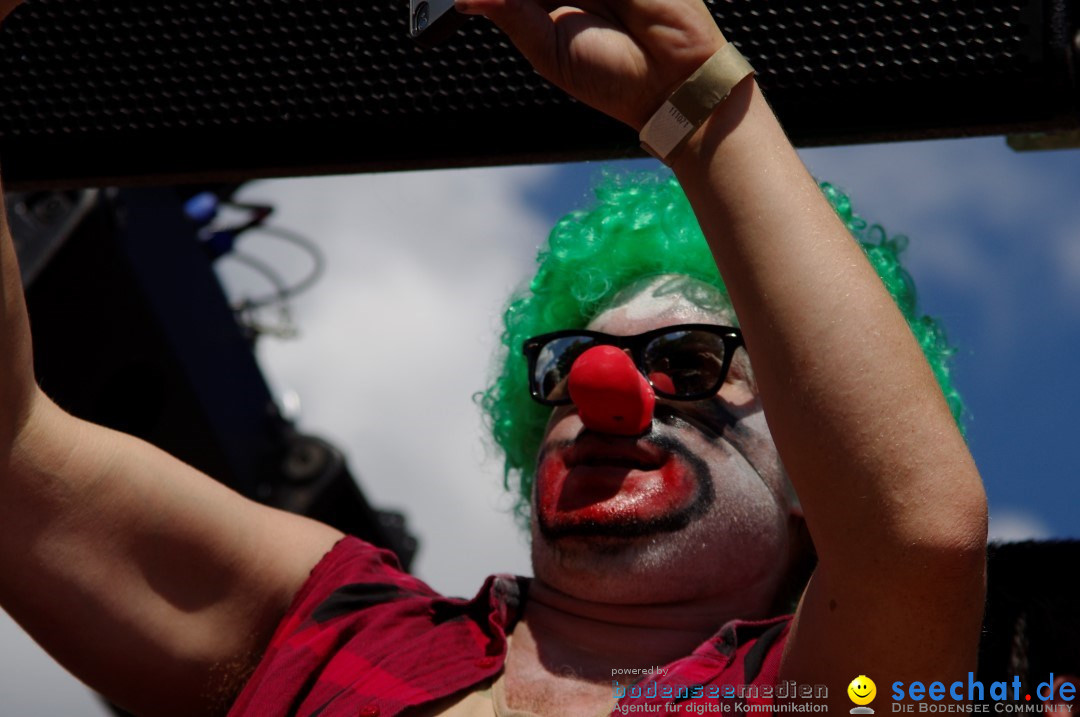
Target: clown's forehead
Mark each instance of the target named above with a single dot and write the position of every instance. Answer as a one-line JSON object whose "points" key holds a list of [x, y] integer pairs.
{"points": [[657, 301]]}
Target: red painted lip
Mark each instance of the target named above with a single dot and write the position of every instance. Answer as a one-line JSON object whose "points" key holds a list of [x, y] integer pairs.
{"points": [[608, 479]]}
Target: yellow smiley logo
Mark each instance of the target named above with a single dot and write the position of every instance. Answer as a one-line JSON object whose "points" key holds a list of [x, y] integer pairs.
{"points": [[862, 690]]}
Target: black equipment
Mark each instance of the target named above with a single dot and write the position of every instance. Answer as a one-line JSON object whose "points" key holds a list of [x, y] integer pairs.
{"points": [[132, 331], [1032, 627], [96, 93]]}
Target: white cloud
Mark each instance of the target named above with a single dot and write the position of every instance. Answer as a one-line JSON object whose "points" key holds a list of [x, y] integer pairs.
{"points": [[397, 337], [1068, 243], [954, 193], [1010, 524], [982, 219], [32, 684]]}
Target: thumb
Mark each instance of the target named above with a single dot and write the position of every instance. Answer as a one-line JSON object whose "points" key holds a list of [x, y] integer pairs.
{"points": [[526, 23]]}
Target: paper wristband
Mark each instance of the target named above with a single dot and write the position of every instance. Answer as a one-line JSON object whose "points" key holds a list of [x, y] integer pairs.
{"points": [[691, 104]]}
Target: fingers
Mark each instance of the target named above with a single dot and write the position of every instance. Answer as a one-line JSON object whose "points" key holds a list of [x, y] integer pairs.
{"points": [[525, 22]]}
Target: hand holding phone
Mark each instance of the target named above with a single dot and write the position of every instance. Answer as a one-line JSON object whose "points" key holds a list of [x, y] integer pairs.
{"points": [[432, 21], [622, 58]]}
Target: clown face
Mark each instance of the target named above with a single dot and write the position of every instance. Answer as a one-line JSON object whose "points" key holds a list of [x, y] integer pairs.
{"points": [[697, 506]]}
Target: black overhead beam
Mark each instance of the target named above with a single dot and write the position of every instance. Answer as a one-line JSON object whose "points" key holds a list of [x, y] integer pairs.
{"points": [[95, 92]]}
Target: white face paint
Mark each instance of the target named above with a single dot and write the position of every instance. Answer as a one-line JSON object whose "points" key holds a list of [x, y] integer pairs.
{"points": [[707, 477], [669, 299]]}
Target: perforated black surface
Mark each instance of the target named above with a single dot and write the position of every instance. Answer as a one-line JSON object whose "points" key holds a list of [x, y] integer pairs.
{"points": [[850, 44], [87, 67], [93, 90]]}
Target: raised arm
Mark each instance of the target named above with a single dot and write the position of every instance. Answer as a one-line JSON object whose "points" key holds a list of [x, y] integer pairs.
{"points": [[890, 492], [149, 581]]}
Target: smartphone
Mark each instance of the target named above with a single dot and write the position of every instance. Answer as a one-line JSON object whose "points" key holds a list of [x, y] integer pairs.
{"points": [[432, 21]]}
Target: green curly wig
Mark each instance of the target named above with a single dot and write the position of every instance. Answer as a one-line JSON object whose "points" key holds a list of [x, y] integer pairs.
{"points": [[642, 225]]}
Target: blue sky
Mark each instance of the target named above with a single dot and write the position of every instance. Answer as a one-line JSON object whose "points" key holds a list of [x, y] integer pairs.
{"points": [[995, 248]]}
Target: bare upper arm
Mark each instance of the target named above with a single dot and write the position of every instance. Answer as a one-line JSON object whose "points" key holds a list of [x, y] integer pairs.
{"points": [[915, 616], [129, 566]]}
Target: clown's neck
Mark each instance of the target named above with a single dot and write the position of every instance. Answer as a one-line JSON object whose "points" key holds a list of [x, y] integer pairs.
{"points": [[593, 637]]}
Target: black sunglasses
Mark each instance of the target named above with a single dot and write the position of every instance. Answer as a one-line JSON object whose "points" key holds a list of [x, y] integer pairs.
{"points": [[686, 362]]}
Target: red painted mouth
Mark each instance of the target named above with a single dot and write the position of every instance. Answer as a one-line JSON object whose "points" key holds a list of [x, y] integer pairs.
{"points": [[611, 480]]}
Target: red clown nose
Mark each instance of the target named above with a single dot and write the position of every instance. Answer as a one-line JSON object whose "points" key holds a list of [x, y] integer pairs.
{"points": [[610, 393]]}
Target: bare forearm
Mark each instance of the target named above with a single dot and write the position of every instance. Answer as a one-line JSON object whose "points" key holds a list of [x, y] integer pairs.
{"points": [[855, 411], [889, 490], [17, 387]]}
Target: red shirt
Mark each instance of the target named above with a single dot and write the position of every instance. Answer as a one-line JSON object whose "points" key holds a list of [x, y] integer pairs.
{"points": [[363, 638]]}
